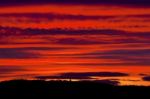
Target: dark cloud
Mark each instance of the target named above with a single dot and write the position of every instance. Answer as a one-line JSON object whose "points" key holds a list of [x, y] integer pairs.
{"points": [[146, 78], [99, 74], [12, 53], [6, 31], [107, 81], [36, 17], [84, 75], [59, 31], [108, 63], [129, 56], [75, 41], [129, 52], [47, 17], [142, 74], [127, 2], [63, 77], [10, 69], [118, 36]]}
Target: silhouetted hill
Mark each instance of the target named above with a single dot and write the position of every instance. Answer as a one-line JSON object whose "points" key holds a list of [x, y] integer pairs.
{"points": [[65, 89]]}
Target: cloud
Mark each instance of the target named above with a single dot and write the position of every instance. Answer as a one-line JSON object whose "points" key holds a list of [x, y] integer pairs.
{"points": [[44, 17], [146, 78], [127, 56], [87, 36], [62, 77], [127, 2], [5, 31], [142, 74], [34, 20], [129, 52], [107, 81], [108, 63], [10, 69], [23, 52], [99, 74], [130, 55], [13, 53], [83, 75], [75, 41]]}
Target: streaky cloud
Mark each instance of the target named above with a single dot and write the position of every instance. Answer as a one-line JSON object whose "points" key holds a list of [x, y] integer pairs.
{"points": [[99, 74], [128, 56], [87, 2], [10, 69], [23, 52], [33, 17], [75, 41], [5, 31], [14, 53]]}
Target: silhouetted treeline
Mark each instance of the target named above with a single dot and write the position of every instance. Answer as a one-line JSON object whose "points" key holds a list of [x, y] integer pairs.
{"points": [[65, 89]]}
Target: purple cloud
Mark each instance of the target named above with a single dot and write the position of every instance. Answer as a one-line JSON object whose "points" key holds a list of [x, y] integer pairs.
{"points": [[84, 75], [146, 78], [89, 2], [129, 56], [5, 31], [37, 17], [108, 81], [75, 41], [13, 53]]}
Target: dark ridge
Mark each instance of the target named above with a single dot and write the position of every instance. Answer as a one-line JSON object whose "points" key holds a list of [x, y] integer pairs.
{"points": [[68, 89]]}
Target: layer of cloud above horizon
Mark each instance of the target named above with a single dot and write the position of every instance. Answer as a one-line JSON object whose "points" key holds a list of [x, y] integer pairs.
{"points": [[83, 75], [87, 76]]}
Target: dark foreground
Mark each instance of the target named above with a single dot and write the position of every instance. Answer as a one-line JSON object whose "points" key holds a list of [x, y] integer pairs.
{"points": [[61, 89]]}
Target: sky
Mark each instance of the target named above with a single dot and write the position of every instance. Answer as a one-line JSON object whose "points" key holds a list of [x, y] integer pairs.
{"points": [[92, 40]]}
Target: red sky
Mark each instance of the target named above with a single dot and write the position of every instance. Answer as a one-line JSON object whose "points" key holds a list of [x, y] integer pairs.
{"points": [[49, 39]]}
